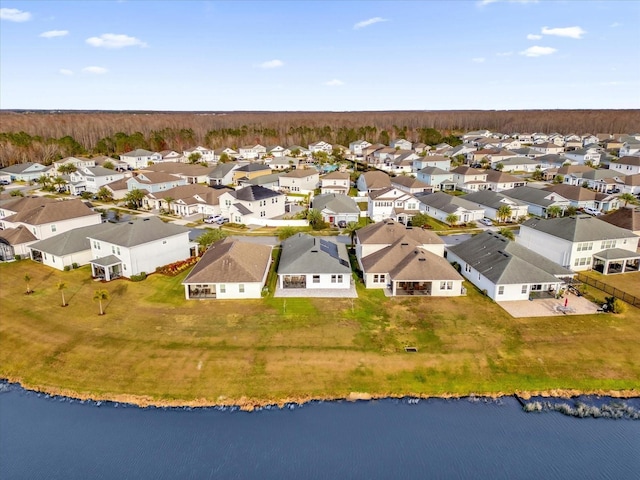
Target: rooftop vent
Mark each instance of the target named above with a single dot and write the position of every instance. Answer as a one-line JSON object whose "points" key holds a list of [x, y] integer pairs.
{"points": [[422, 259]]}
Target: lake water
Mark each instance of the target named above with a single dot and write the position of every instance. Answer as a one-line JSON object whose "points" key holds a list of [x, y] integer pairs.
{"points": [[56, 438]]}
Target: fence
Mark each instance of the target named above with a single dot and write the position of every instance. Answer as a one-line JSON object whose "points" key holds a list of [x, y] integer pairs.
{"points": [[616, 292]]}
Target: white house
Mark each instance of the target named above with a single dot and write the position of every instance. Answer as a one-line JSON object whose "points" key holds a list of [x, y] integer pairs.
{"points": [[76, 162], [438, 161], [584, 155], [392, 203], [250, 203], [321, 146], [401, 144], [491, 201], [499, 181], [436, 178], [250, 152], [574, 241], [314, 263], [275, 151], [154, 182], [140, 158], [358, 146], [630, 148], [91, 179], [410, 184], [131, 248], [301, 180], [335, 182], [229, 269], [440, 205], [206, 154], [336, 207], [506, 270], [171, 156], [190, 173], [538, 200], [470, 179], [628, 165], [373, 180], [25, 172], [223, 174]]}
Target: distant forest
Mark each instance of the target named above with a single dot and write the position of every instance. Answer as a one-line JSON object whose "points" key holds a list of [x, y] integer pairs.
{"points": [[43, 137]]}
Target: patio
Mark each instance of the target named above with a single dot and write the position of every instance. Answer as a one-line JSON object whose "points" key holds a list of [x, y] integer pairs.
{"points": [[547, 307]]}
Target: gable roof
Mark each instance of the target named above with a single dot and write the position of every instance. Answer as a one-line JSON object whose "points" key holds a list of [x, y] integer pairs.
{"points": [[71, 241], [388, 231], [181, 191], [409, 182], [533, 196], [49, 212], [222, 169], [303, 253], [336, 202], [336, 176], [578, 228], [491, 199], [434, 171], [497, 176], [376, 179], [138, 152], [447, 203], [625, 217], [18, 204], [572, 192], [252, 193], [138, 232], [301, 173], [505, 262], [629, 160], [253, 167], [178, 168], [150, 178], [231, 261], [21, 167], [17, 236]]}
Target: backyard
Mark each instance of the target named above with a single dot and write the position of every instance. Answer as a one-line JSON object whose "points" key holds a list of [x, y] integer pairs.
{"points": [[153, 346]]}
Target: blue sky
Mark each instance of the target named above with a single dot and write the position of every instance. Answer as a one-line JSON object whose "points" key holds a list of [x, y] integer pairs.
{"points": [[322, 55]]}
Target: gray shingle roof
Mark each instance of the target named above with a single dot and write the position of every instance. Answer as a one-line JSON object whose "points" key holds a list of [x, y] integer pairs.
{"points": [[531, 195], [252, 193], [139, 232], [222, 169], [447, 203], [303, 253], [489, 198], [578, 228], [335, 202], [72, 241], [505, 262]]}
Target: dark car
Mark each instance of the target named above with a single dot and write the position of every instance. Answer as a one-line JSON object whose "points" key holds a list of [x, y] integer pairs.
{"points": [[342, 224]]}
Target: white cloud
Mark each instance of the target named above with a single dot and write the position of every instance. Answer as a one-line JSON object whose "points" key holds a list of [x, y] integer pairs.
{"points": [[54, 33], [272, 64], [537, 51], [371, 21], [14, 15], [569, 32], [65, 71], [532, 36], [334, 83], [478, 60], [95, 70], [113, 40]]}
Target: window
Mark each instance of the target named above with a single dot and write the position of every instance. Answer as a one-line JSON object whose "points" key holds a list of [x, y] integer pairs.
{"points": [[241, 288], [334, 278], [446, 285], [536, 288], [524, 289], [53, 228], [339, 278], [608, 244], [582, 261], [113, 249], [316, 279], [467, 267], [379, 278], [223, 288], [582, 247], [501, 290], [118, 250]]}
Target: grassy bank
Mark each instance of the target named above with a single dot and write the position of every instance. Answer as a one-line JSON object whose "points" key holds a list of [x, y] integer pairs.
{"points": [[154, 346]]}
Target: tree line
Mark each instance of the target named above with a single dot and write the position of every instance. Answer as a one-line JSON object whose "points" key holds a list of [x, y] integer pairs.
{"points": [[44, 137]]}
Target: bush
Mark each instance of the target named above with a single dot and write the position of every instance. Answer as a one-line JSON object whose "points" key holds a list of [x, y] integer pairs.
{"points": [[67, 268], [74, 265], [615, 305], [17, 257], [138, 278]]}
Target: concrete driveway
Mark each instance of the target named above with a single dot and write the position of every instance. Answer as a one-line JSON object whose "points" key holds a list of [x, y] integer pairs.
{"points": [[550, 307]]}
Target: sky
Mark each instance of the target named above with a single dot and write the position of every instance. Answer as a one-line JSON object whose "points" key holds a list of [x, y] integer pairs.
{"points": [[319, 55]]}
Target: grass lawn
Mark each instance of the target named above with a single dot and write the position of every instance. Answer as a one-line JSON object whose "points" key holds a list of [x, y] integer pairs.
{"points": [[629, 282], [154, 346]]}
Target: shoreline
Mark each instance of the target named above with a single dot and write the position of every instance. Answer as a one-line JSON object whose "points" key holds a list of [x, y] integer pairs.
{"points": [[250, 404]]}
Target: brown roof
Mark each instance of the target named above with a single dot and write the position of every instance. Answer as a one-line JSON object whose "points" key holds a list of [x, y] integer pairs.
{"points": [[405, 260], [409, 182], [376, 179], [52, 212], [464, 170], [156, 177], [629, 160], [17, 236], [301, 173], [336, 176], [182, 191], [632, 180], [118, 185], [26, 203], [625, 217], [572, 192], [388, 231], [231, 261], [501, 177], [176, 168], [212, 197], [574, 169]]}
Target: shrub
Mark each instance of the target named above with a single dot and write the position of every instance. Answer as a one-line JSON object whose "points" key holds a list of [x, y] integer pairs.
{"points": [[18, 257], [67, 268], [74, 265], [615, 305], [139, 277]]}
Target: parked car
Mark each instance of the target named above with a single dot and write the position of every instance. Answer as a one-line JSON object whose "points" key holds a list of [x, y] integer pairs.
{"points": [[486, 221], [342, 224], [221, 221], [592, 211], [212, 219], [4, 182]]}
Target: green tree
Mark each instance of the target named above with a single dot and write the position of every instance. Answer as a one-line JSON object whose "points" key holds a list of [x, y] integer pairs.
{"points": [[504, 212], [209, 237], [452, 219], [108, 164], [27, 279], [133, 199], [507, 233], [59, 182], [420, 220], [67, 168], [224, 158], [286, 232], [104, 194], [194, 157], [554, 211], [61, 287], [100, 296], [499, 166], [558, 179], [628, 198], [44, 181], [537, 175], [351, 230], [169, 201], [314, 217], [16, 193], [570, 210]]}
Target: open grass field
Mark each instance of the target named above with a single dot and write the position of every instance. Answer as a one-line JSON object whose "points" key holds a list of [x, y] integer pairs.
{"points": [[152, 346]]}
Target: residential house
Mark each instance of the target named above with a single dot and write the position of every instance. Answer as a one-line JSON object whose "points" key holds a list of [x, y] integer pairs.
{"points": [[283, 163], [271, 181], [203, 154], [275, 151], [612, 145], [371, 181], [154, 182], [180, 200], [25, 172], [250, 171], [578, 197], [76, 162], [252, 152], [91, 179], [229, 269], [584, 156], [440, 205], [400, 164], [538, 200], [138, 246], [520, 164], [297, 151], [401, 143], [313, 263], [625, 217], [171, 156], [382, 156], [118, 189], [491, 201], [530, 152], [476, 134], [15, 241], [421, 148], [470, 179], [336, 207], [631, 184], [499, 181], [590, 140], [581, 242], [140, 158], [410, 184], [392, 203], [368, 153], [321, 146], [335, 182], [628, 165], [510, 143], [506, 270], [463, 150], [438, 161], [250, 203], [629, 148], [189, 172], [358, 146], [228, 152], [437, 178], [601, 180], [547, 148], [223, 174], [301, 180]]}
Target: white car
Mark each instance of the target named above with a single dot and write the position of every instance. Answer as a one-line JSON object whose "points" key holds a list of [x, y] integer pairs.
{"points": [[213, 219], [592, 211], [487, 222]]}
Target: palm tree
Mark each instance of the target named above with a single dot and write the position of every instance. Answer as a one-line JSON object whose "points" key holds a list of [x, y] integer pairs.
{"points": [[452, 219], [43, 180], [169, 201], [100, 295], [507, 233], [554, 211], [351, 229], [59, 181], [504, 212], [315, 218], [61, 287], [628, 198], [27, 279]]}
